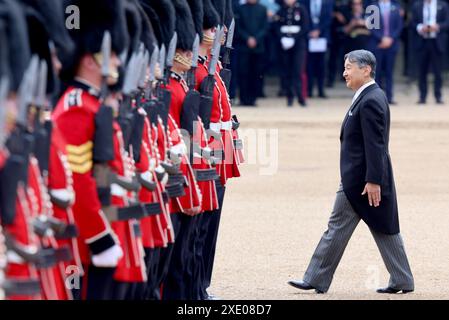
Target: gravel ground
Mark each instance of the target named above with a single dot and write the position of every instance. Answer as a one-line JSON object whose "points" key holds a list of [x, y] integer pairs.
{"points": [[271, 224]]}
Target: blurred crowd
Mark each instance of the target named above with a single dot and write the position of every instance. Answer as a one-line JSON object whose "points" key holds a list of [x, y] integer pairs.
{"points": [[303, 42]]}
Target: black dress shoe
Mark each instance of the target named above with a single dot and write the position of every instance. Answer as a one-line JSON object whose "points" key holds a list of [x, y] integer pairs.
{"points": [[289, 102], [391, 290], [393, 103], [439, 101], [300, 284], [323, 96], [302, 102], [421, 101]]}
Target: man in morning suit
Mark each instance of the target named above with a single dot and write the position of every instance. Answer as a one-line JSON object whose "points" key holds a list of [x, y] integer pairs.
{"points": [[367, 188]]}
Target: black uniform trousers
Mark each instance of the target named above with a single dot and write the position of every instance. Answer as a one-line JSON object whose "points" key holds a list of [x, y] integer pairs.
{"points": [[96, 284], [430, 56], [315, 72], [292, 65], [212, 222], [250, 70], [176, 284], [166, 253], [152, 290]]}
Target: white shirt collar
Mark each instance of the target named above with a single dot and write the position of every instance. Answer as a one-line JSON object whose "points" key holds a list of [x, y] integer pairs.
{"points": [[385, 5], [360, 90]]}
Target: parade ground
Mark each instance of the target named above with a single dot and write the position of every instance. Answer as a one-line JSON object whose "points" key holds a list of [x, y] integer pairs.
{"points": [[271, 223]]}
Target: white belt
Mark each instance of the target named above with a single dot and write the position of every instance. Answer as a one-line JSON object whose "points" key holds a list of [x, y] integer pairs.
{"points": [[227, 125], [117, 190], [290, 29], [180, 148], [13, 257], [147, 176], [63, 194], [215, 126]]}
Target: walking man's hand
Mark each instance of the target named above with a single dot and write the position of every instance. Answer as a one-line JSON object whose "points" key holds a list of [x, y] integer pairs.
{"points": [[373, 191]]}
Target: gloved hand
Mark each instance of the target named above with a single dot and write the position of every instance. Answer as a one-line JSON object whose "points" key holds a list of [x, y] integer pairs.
{"points": [[108, 258], [287, 43]]}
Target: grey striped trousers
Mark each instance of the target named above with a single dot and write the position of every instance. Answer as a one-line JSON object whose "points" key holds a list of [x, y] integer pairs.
{"points": [[331, 247]]}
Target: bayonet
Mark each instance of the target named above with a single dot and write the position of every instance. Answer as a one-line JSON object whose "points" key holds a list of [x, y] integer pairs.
{"points": [[228, 46], [105, 63], [41, 87], [140, 62], [153, 61], [143, 74], [171, 51], [230, 36], [195, 51], [162, 56], [128, 81], [26, 90], [191, 72], [170, 56], [4, 88], [152, 72], [105, 54], [215, 52]]}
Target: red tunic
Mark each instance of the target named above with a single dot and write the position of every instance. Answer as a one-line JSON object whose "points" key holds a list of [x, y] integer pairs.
{"points": [[131, 267], [75, 116], [53, 278], [153, 234], [160, 147], [229, 165], [60, 181], [21, 231], [193, 197]]}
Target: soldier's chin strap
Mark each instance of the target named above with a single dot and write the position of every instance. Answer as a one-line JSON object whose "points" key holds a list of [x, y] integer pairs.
{"points": [[181, 59]]}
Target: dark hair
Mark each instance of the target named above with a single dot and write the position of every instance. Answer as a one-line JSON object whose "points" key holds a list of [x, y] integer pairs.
{"points": [[363, 58]]}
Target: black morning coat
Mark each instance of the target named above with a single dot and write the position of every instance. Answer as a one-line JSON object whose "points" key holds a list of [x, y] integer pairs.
{"points": [[364, 157]]}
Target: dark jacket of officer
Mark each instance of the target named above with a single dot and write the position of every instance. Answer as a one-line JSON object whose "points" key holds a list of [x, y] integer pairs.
{"points": [[290, 17]]}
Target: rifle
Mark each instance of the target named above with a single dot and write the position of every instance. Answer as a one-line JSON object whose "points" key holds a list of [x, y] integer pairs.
{"points": [[208, 83], [225, 73]]}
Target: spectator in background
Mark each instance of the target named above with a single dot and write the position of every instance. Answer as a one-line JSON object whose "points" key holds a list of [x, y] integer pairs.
{"points": [[357, 34], [385, 44], [292, 28], [271, 45], [251, 28], [431, 22], [320, 13], [336, 45]]}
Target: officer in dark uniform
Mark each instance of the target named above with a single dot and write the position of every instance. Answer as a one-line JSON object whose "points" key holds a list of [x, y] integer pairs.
{"points": [[292, 29]]}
